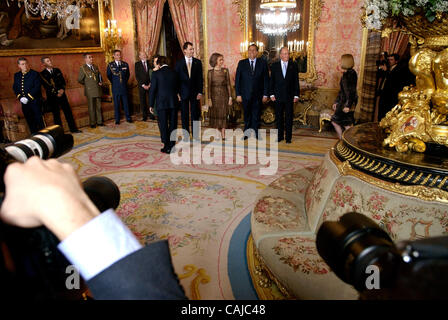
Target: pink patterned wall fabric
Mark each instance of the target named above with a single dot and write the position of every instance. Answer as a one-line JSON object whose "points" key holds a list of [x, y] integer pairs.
{"points": [[339, 32], [224, 33], [125, 20]]}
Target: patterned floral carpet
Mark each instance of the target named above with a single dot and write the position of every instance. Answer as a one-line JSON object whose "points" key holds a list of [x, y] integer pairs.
{"points": [[198, 208]]}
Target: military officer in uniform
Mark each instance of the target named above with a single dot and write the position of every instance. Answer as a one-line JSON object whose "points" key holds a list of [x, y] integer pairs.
{"points": [[118, 74], [27, 89], [90, 77], [54, 84]]}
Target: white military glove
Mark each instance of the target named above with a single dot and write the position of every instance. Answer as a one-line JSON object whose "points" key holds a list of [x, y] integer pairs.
{"points": [[24, 100]]}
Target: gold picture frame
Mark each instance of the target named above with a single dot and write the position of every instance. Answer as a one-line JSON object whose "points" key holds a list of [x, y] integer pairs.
{"points": [[314, 17], [98, 20]]}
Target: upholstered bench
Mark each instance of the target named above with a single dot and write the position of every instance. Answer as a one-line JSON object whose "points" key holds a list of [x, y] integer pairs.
{"points": [[289, 212], [325, 115]]}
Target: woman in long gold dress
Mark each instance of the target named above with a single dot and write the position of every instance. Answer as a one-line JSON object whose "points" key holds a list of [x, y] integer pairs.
{"points": [[219, 93]]}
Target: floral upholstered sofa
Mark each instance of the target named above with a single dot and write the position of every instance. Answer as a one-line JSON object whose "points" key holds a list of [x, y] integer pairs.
{"points": [[289, 212]]}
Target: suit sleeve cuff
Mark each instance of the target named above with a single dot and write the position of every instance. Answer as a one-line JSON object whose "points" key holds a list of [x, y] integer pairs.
{"points": [[98, 244]]}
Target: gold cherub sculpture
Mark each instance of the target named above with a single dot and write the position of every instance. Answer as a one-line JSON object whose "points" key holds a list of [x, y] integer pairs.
{"points": [[420, 116]]}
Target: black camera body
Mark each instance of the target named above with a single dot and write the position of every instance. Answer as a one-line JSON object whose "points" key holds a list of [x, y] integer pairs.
{"points": [[31, 266], [355, 247]]}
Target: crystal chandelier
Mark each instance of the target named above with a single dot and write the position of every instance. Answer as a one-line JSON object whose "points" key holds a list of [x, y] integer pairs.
{"points": [[277, 22], [276, 4], [50, 8]]}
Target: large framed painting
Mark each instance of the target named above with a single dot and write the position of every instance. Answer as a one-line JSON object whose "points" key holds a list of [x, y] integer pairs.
{"points": [[23, 30]]}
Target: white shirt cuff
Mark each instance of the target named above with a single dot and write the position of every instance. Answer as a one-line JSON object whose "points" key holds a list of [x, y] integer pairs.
{"points": [[296, 97], [98, 244]]}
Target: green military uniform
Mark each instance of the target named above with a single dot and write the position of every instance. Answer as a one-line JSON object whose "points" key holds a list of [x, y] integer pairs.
{"points": [[90, 77]]}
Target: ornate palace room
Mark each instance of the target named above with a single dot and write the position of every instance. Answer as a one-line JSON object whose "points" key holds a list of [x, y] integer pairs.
{"points": [[224, 149]]}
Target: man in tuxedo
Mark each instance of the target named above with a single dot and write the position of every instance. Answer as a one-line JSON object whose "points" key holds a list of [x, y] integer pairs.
{"points": [[142, 74], [27, 89], [90, 77], [252, 87], [284, 91], [118, 74], [54, 84], [164, 90], [189, 72], [108, 256]]}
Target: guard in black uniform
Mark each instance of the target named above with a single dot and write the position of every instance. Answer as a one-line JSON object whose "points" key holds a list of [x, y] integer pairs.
{"points": [[27, 89], [54, 84]]}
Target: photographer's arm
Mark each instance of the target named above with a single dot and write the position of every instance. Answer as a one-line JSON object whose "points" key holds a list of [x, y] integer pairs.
{"points": [[57, 201], [107, 254]]}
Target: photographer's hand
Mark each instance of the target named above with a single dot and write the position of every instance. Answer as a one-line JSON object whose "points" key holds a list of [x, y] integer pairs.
{"points": [[46, 193]]}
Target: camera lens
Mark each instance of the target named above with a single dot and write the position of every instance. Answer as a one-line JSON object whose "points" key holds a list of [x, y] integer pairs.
{"points": [[50, 142], [354, 243]]}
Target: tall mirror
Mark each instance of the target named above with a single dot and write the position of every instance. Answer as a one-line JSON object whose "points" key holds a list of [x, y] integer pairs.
{"points": [[277, 23]]}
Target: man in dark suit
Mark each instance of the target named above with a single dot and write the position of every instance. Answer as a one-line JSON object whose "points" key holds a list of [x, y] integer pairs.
{"points": [[118, 74], [396, 79], [54, 84], [108, 256], [27, 89], [189, 72], [164, 90], [252, 87], [284, 90], [142, 74]]}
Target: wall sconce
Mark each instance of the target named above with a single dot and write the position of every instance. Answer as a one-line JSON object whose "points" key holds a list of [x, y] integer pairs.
{"points": [[113, 39]]}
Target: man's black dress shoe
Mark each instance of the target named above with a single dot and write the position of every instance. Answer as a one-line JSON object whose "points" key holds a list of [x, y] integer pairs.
{"points": [[129, 120], [117, 122], [76, 131], [93, 126], [101, 125], [280, 140], [144, 119], [288, 141]]}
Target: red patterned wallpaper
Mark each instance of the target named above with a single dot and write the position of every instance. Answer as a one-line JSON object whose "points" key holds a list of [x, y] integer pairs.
{"points": [[125, 20], [224, 33], [339, 32]]}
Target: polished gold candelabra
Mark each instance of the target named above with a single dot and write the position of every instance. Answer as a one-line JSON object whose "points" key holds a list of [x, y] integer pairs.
{"points": [[297, 48], [244, 48], [113, 39]]}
